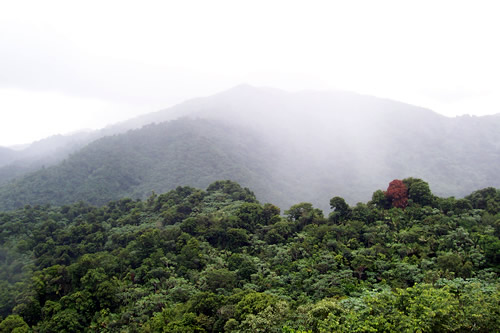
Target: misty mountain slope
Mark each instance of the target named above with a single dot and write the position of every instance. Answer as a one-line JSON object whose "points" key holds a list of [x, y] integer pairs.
{"points": [[348, 143], [266, 107], [6, 155], [155, 158], [52, 150], [46, 152], [280, 114], [288, 147]]}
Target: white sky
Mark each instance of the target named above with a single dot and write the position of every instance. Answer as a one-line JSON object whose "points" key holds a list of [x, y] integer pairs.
{"points": [[68, 65]]}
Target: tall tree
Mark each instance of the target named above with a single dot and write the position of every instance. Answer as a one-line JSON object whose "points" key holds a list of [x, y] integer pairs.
{"points": [[397, 193]]}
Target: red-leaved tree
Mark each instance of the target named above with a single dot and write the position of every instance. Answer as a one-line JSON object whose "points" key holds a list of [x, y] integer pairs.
{"points": [[397, 194]]}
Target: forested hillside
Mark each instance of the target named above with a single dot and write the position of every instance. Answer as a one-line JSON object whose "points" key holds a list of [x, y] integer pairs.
{"points": [[348, 143], [217, 260], [42, 153], [156, 158], [287, 147], [6, 155]]}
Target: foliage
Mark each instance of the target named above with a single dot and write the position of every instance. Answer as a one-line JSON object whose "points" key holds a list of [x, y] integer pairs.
{"points": [[341, 210], [191, 260], [397, 194]]}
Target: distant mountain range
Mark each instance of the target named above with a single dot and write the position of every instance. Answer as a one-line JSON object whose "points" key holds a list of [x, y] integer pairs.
{"points": [[287, 147]]}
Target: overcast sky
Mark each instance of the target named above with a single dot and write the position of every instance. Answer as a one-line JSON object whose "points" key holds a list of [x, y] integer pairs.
{"points": [[68, 65]]}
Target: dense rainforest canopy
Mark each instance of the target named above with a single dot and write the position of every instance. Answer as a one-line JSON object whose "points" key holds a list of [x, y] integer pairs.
{"points": [[216, 260]]}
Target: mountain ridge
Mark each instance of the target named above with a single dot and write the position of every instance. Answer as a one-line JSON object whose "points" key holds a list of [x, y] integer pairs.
{"points": [[318, 144]]}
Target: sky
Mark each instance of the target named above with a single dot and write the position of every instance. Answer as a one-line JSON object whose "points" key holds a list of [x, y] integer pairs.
{"points": [[71, 65]]}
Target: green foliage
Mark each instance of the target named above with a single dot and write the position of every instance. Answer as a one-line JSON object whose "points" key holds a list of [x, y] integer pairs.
{"points": [[379, 200], [218, 261], [341, 210], [418, 191], [303, 214], [234, 190], [487, 199], [13, 324]]}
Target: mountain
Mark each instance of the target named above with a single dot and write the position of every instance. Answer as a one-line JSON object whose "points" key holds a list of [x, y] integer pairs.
{"points": [[157, 157], [50, 151], [41, 153], [6, 155], [288, 147], [348, 143]]}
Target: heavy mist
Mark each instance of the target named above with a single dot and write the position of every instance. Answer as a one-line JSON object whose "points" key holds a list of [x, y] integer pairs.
{"points": [[60, 73]]}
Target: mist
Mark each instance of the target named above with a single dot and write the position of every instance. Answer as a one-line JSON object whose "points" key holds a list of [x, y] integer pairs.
{"points": [[288, 147], [61, 74]]}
